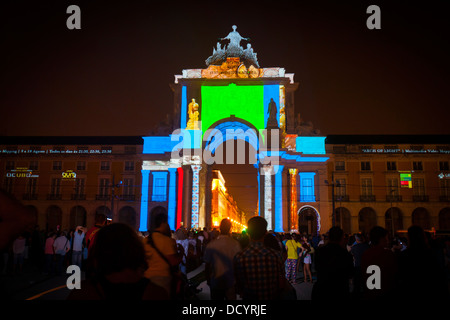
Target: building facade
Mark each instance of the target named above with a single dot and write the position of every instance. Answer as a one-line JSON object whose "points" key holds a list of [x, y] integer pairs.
{"points": [[66, 180], [391, 181]]}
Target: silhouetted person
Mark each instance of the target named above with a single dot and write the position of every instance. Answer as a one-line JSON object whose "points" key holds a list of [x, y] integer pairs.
{"points": [[259, 270], [421, 274], [334, 266], [379, 254], [163, 257], [119, 262], [218, 257], [357, 251]]}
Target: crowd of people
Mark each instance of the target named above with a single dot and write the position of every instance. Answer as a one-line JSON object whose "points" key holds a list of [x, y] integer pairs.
{"points": [[257, 264]]}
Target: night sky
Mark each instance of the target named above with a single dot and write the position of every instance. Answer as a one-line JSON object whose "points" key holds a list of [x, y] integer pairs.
{"points": [[112, 77]]}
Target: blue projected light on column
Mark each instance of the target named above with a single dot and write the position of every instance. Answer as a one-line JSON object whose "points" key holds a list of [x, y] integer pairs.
{"points": [[144, 201], [278, 198], [307, 187], [172, 205]]}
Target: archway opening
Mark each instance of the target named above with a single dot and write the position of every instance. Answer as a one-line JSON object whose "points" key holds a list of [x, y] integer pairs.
{"points": [[308, 220], [367, 219], [54, 218], [393, 220], [78, 216], [343, 219], [421, 217], [104, 210]]}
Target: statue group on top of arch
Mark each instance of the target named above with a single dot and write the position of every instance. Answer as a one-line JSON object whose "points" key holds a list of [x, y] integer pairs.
{"points": [[233, 50]]}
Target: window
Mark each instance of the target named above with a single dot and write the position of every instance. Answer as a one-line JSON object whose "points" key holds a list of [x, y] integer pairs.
{"points": [[159, 186], [128, 187], [392, 187], [129, 165], [443, 166], [340, 166], [81, 165], [419, 190], [444, 186], [365, 165], [418, 187], [8, 185], [34, 165], [55, 188], [79, 186], [341, 189], [391, 165], [31, 186], [417, 165], [366, 187], [10, 165], [57, 165], [444, 189], [103, 187], [105, 166], [307, 187], [30, 193]]}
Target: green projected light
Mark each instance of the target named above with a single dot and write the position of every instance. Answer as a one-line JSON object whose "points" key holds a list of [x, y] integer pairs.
{"points": [[246, 102]]}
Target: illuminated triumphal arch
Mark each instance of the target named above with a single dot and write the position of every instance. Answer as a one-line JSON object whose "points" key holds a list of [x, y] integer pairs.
{"points": [[233, 99]]}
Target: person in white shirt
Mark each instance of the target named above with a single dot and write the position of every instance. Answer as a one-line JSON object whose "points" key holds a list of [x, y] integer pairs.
{"points": [[218, 258], [77, 248], [61, 246]]}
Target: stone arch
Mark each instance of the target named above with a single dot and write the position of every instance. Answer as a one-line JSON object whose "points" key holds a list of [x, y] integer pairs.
{"points": [[343, 219], [104, 210], [421, 217], [397, 219], [367, 219], [54, 218], [78, 215], [308, 220]]}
